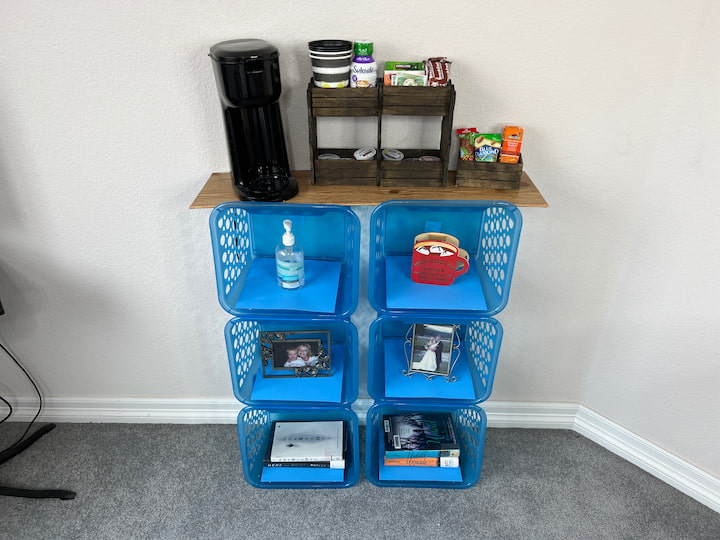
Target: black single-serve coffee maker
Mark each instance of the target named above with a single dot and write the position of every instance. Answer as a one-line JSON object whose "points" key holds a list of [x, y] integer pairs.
{"points": [[247, 73]]}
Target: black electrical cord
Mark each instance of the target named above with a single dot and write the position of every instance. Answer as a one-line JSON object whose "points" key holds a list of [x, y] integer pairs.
{"points": [[10, 409], [26, 441], [37, 390]]}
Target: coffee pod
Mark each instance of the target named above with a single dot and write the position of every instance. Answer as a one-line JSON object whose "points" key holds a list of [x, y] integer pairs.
{"points": [[364, 154], [328, 156], [392, 154]]}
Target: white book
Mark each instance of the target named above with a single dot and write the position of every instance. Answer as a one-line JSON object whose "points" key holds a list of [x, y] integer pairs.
{"points": [[308, 441]]}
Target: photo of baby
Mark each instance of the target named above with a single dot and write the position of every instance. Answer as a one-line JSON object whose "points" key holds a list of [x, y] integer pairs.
{"points": [[287, 354]]}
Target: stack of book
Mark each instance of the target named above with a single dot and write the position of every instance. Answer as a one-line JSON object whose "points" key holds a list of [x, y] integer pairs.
{"points": [[306, 444], [420, 440]]}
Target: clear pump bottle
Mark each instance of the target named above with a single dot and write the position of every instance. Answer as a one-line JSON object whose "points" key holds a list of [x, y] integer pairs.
{"points": [[289, 260]]}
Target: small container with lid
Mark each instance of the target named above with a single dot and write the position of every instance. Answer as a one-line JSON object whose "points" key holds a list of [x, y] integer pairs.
{"points": [[365, 154], [330, 60], [392, 154]]}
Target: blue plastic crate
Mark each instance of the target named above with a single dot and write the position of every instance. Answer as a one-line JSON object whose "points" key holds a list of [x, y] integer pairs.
{"points": [[254, 425], [242, 338], [488, 230], [470, 425], [473, 373], [244, 237]]}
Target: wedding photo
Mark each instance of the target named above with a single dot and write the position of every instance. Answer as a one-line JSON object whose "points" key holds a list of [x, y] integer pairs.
{"points": [[432, 348]]}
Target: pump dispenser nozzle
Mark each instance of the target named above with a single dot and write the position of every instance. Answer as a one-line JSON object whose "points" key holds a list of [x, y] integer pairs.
{"points": [[288, 238]]}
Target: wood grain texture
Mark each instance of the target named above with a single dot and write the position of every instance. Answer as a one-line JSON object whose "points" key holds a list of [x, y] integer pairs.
{"points": [[218, 189]]}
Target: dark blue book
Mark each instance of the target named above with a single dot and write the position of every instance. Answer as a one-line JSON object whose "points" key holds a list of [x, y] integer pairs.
{"points": [[420, 435]]}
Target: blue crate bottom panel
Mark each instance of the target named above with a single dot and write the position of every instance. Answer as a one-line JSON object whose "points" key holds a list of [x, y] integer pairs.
{"points": [[319, 294], [301, 474], [304, 389], [403, 293], [398, 385]]}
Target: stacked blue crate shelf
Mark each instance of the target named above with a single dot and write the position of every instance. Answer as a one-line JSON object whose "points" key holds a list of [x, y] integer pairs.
{"points": [[490, 232], [244, 236]]}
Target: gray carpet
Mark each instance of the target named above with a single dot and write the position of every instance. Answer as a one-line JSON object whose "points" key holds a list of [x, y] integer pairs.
{"points": [[186, 481]]}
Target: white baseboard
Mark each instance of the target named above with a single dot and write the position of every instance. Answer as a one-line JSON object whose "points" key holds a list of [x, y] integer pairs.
{"points": [[539, 415], [505, 414], [668, 467], [132, 410]]}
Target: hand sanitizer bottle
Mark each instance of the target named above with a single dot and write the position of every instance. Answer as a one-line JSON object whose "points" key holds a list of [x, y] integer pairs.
{"points": [[289, 260]]}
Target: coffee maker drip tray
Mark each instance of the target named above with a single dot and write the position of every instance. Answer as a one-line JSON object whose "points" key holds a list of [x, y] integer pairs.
{"points": [[266, 184]]}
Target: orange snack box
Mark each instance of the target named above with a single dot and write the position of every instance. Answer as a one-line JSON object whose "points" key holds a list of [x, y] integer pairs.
{"points": [[511, 145]]}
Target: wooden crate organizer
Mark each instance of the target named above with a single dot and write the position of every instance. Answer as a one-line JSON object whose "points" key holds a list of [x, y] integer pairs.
{"points": [[349, 171], [342, 101], [496, 175], [333, 102], [418, 100], [380, 101], [414, 173]]}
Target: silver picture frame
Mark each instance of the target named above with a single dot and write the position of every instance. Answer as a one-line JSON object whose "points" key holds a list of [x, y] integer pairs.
{"points": [[432, 350]]}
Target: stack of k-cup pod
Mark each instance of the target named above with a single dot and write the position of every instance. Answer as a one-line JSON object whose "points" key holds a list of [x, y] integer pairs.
{"points": [[331, 59]]}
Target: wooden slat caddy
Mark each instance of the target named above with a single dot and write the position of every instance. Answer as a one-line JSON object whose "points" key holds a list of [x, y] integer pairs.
{"points": [[495, 175], [379, 101]]}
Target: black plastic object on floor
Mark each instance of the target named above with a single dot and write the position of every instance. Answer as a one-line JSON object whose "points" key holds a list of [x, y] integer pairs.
{"points": [[247, 73], [16, 449]]}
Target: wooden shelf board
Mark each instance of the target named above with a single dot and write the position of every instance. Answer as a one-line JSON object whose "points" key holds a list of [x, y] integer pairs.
{"points": [[218, 189]]}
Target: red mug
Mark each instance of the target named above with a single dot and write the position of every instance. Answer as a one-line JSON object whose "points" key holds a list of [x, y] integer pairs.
{"points": [[438, 259]]}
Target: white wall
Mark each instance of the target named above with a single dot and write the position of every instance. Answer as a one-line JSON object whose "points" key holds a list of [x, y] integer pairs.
{"points": [[110, 125]]}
